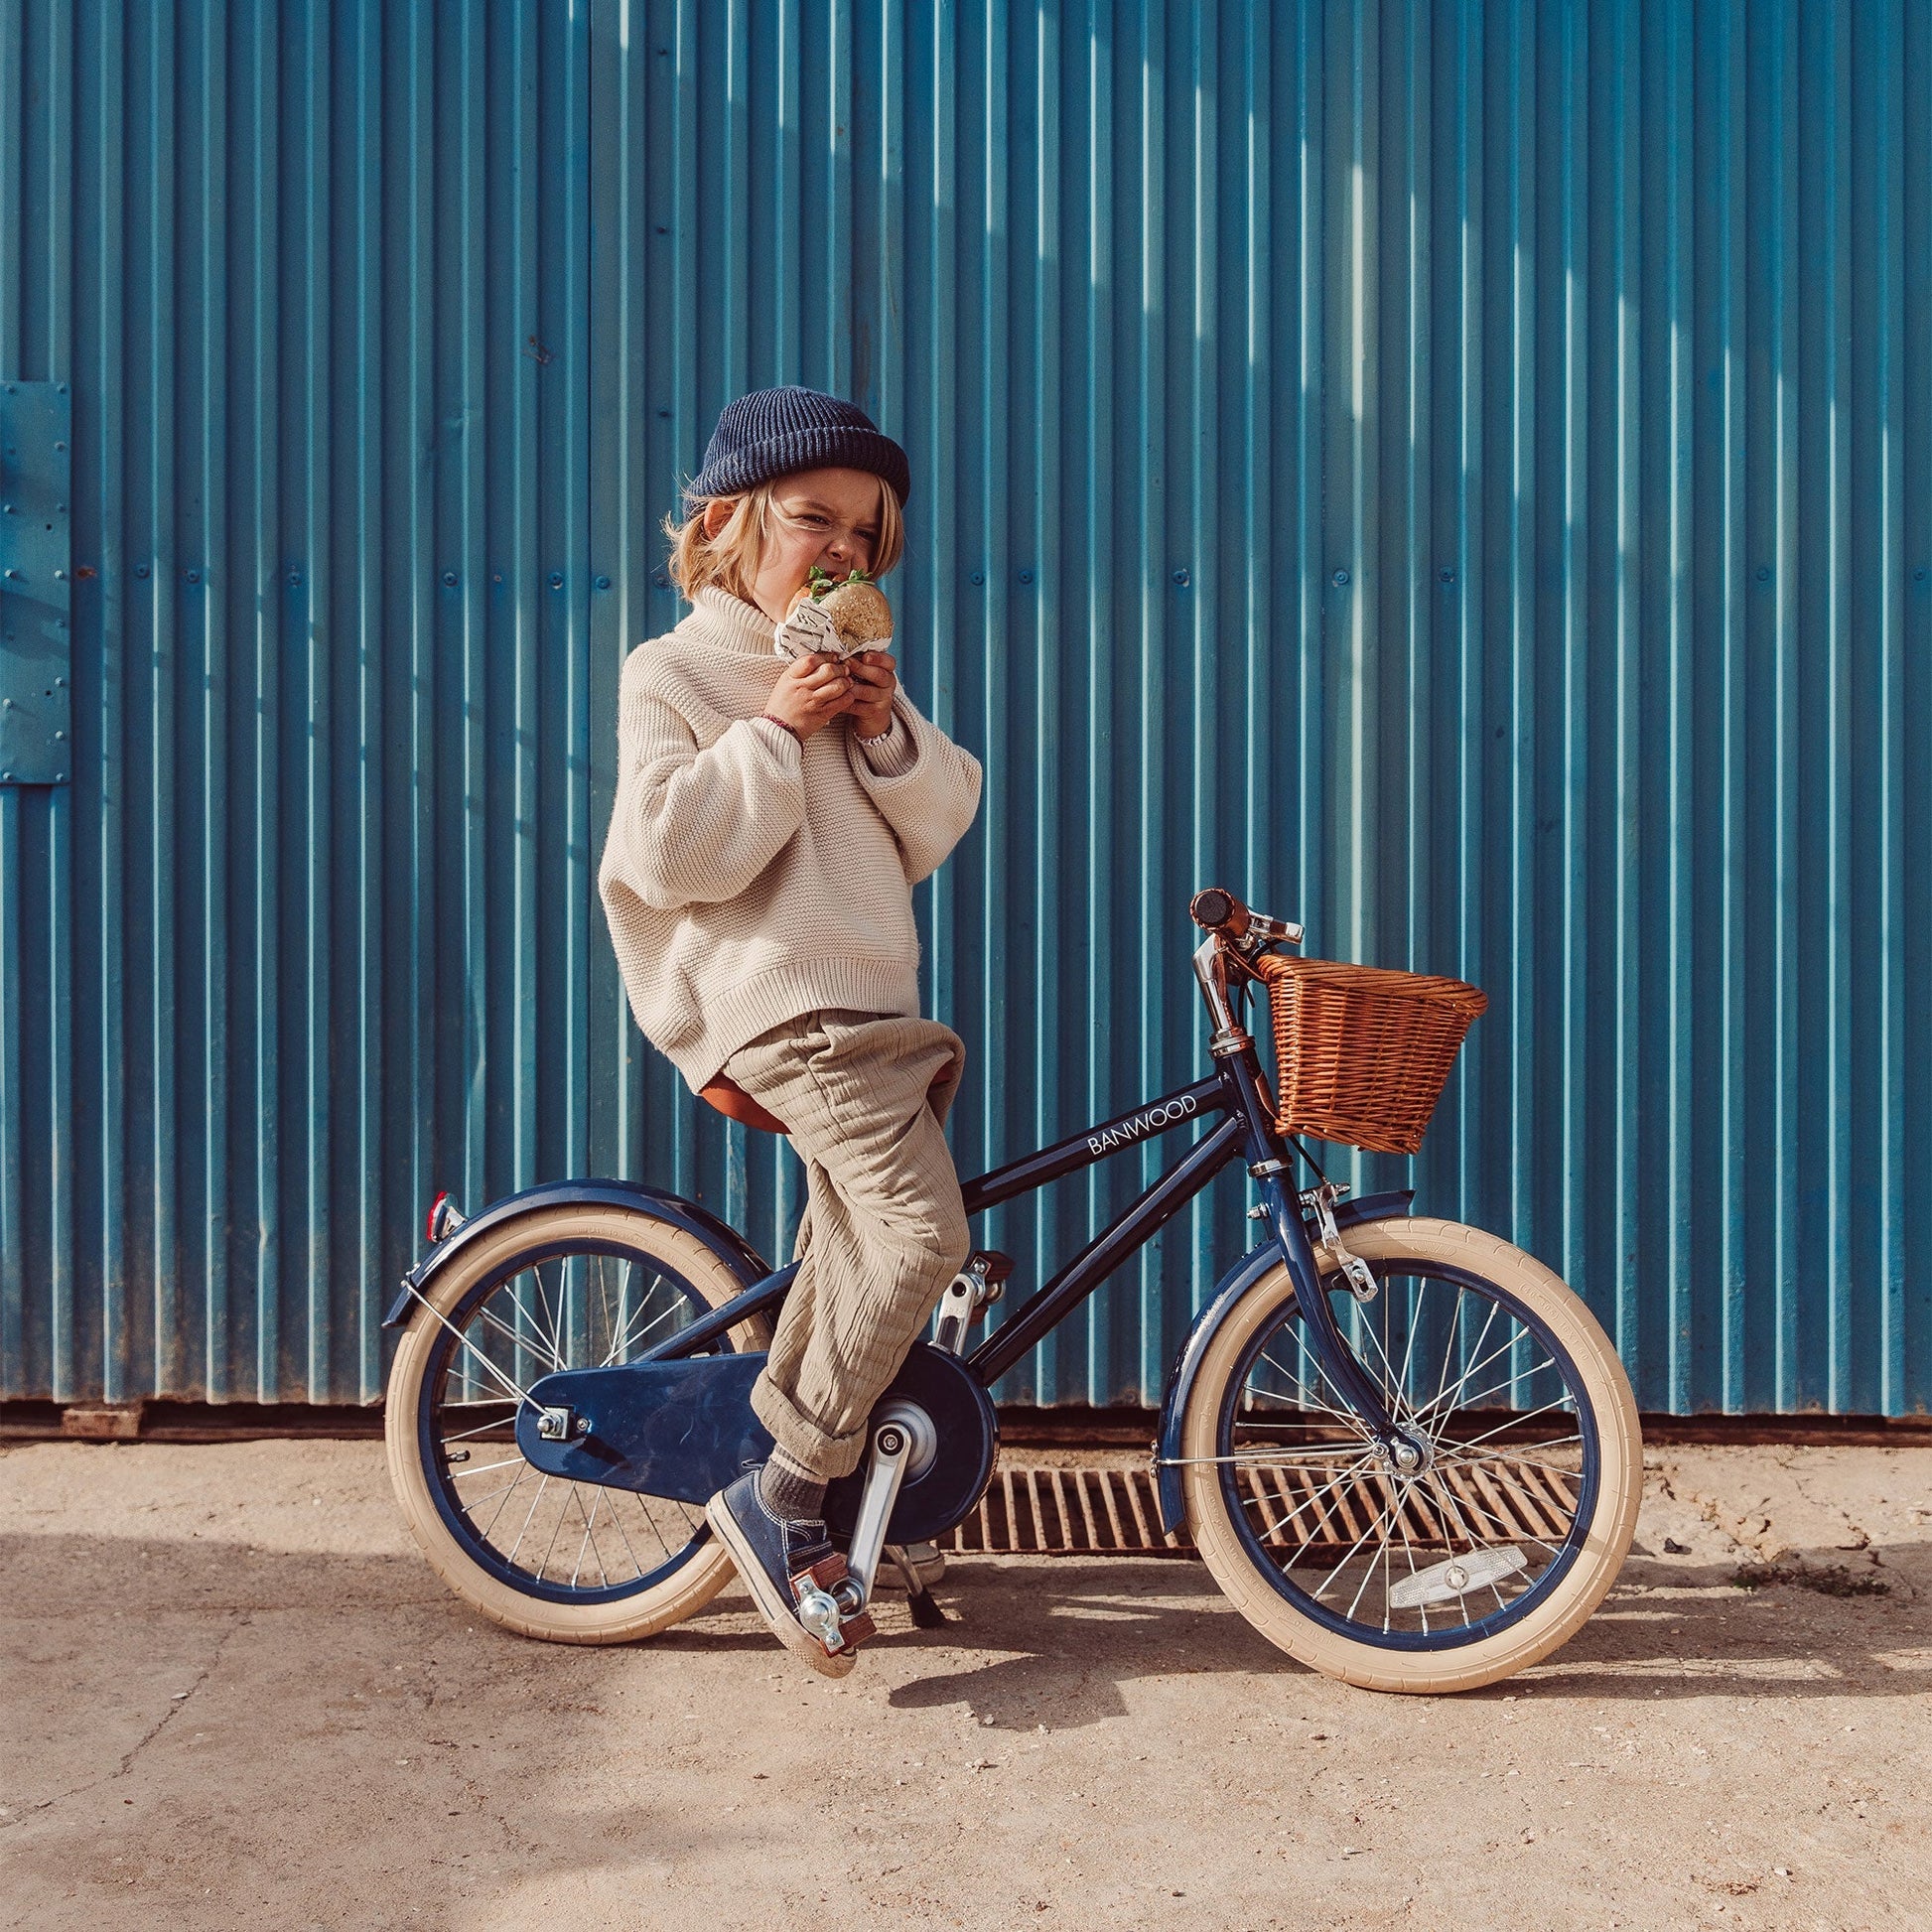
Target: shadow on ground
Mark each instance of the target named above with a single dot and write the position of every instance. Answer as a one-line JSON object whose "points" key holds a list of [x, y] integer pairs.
{"points": [[212, 1731]]}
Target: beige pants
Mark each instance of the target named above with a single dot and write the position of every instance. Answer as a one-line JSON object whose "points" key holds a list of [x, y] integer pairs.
{"points": [[883, 1230]]}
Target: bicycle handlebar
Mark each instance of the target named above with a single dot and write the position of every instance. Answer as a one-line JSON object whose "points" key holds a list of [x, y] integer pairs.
{"points": [[1217, 910]]}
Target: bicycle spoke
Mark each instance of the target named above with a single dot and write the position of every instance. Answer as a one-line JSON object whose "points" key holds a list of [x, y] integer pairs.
{"points": [[1528, 1462], [551, 1342], [543, 1567], [630, 1342], [1453, 1447], [515, 1339], [506, 1503], [1307, 1397], [617, 1517], [1385, 1582], [1497, 1387], [1495, 1308], [626, 1342], [603, 1304], [482, 1428], [1397, 1406], [588, 1541], [1409, 1550], [497, 1375], [1522, 1490], [543, 1482], [1449, 1345], [597, 1497], [1462, 1380], [1515, 1421], [1381, 1517], [1509, 1532], [1415, 1328], [553, 1318], [1443, 1494], [1313, 1497], [1278, 1452], [1368, 1571], [471, 1503], [484, 1468]]}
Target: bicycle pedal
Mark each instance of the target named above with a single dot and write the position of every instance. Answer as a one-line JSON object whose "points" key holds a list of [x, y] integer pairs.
{"points": [[817, 1593]]}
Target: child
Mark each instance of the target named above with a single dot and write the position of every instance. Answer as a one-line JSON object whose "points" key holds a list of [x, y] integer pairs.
{"points": [[772, 819]]}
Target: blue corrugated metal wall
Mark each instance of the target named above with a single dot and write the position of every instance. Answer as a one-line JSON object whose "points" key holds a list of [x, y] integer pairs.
{"points": [[1459, 473]]}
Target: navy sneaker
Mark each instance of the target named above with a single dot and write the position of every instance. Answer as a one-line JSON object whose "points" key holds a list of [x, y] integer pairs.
{"points": [[781, 1561]]}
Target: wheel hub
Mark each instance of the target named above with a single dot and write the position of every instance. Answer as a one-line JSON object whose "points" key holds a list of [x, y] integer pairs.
{"points": [[1406, 1455]]}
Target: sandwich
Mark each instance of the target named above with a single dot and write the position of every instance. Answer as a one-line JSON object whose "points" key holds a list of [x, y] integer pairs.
{"points": [[837, 618]]}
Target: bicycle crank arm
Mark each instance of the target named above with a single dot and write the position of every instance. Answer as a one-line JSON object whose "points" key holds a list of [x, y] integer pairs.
{"points": [[892, 1451]]}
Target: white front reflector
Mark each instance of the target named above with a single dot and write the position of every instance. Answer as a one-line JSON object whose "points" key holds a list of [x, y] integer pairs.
{"points": [[1443, 1581]]}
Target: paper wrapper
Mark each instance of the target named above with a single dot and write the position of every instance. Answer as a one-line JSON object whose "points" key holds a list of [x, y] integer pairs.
{"points": [[810, 628]]}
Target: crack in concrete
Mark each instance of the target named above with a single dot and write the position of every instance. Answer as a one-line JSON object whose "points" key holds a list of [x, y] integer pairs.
{"points": [[1734, 1529], [1800, 1483], [154, 1731], [179, 1704]]}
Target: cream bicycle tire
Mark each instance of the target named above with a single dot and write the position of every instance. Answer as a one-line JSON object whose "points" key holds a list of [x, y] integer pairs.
{"points": [[623, 1619], [1603, 1545]]}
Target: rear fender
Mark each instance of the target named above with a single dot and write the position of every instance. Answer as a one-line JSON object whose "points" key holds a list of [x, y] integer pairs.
{"points": [[746, 1264], [1250, 1269]]}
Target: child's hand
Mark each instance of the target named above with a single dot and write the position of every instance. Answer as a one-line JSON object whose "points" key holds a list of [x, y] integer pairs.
{"points": [[809, 694], [872, 685]]}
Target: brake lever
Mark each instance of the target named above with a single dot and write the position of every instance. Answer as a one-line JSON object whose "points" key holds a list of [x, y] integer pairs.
{"points": [[1262, 930]]}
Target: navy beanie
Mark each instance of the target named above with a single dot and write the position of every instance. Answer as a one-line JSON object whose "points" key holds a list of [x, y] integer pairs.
{"points": [[773, 432]]}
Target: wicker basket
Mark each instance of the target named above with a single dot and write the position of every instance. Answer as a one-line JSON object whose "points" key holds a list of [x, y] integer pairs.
{"points": [[1364, 1052]]}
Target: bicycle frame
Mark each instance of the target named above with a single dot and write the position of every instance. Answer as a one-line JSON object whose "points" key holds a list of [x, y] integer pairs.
{"points": [[1236, 1092]]}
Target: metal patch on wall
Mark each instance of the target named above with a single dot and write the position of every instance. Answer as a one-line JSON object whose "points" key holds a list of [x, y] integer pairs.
{"points": [[36, 582]]}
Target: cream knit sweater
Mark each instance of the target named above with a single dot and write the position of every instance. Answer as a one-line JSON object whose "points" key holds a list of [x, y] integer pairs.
{"points": [[748, 879]]}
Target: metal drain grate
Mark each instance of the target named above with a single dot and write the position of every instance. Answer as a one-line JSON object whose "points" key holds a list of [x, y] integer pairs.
{"points": [[1302, 1513], [1031, 1509]]}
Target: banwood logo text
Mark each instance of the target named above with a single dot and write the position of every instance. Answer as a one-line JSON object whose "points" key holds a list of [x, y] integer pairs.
{"points": [[1135, 1125]]}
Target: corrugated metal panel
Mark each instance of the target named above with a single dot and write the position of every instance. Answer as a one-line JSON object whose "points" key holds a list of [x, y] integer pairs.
{"points": [[1459, 474]]}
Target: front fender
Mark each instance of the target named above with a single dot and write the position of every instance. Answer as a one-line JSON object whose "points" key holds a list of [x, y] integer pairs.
{"points": [[744, 1262], [1229, 1290]]}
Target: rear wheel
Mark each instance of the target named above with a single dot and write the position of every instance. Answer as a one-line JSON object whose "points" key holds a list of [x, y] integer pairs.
{"points": [[1492, 1552], [568, 1287]]}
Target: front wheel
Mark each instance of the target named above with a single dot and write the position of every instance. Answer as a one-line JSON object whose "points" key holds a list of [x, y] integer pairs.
{"points": [[1475, 1565]]}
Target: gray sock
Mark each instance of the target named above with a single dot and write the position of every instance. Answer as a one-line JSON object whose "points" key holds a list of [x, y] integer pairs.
{"points": [[790, 1492]]}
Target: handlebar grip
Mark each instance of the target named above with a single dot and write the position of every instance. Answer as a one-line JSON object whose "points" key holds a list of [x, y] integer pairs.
{"points": [[1218, 910]]}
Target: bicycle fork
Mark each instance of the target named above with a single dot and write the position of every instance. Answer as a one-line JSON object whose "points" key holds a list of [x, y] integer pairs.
{"points": [[1403, 1453]]}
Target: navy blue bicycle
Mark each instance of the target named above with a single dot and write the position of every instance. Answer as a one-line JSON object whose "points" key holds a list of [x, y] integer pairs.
{"points": [[1407, 1452]]}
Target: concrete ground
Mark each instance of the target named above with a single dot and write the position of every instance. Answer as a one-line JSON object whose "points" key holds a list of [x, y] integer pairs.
{"points": [[233, 1695]]}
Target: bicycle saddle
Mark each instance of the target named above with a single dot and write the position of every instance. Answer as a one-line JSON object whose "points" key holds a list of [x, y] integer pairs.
{"points": [[730, 1100], [735, 1103]]}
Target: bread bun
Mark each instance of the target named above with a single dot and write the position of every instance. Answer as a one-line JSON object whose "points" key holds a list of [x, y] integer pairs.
{"points": [[859, 608]]}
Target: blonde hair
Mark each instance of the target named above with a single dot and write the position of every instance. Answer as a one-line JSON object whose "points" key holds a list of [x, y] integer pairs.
{"points": [[730, 560]]}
